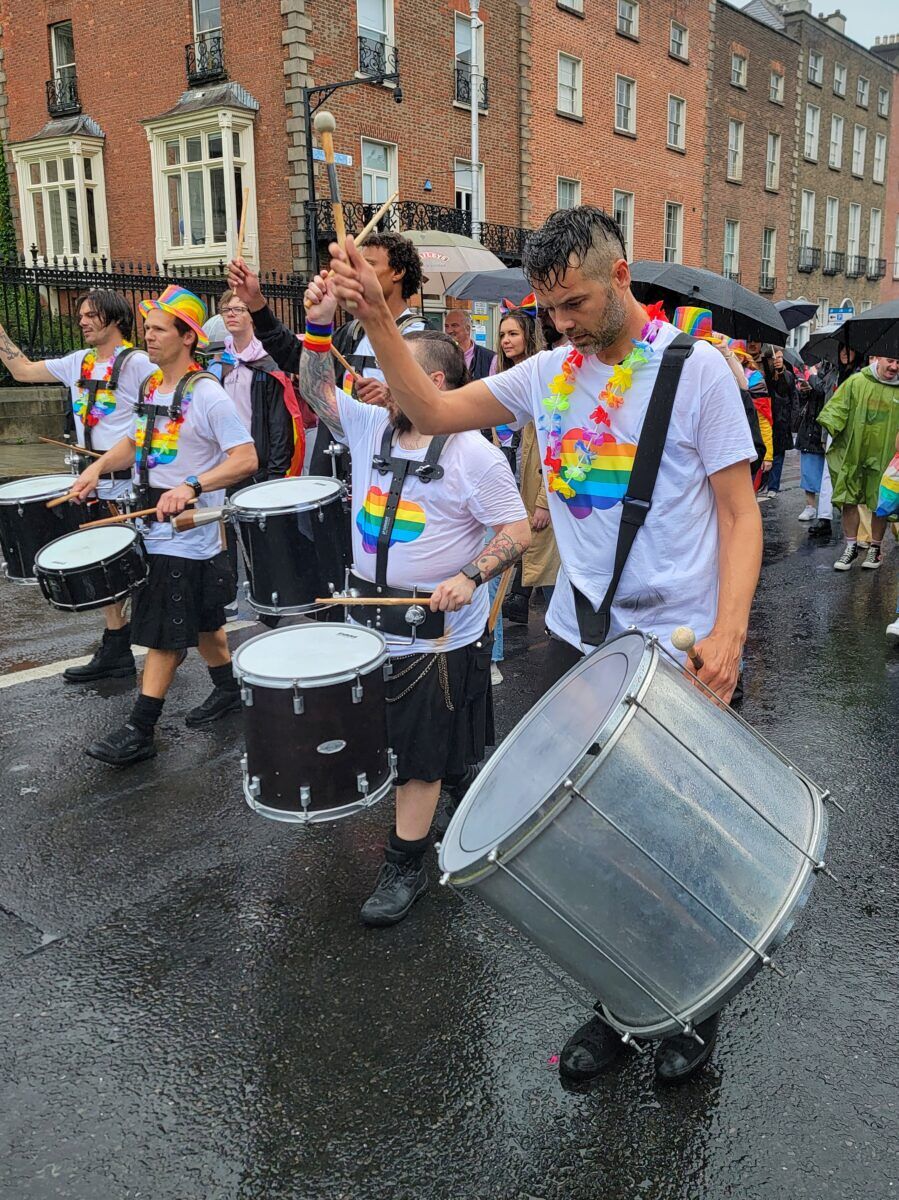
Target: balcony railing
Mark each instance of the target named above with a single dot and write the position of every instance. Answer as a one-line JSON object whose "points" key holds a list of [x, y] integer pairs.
{"points": [[733, 275], [809, 259], [856, 266], [506, 241], [463, 88], [834, 261], [205, 59], [62, 96], [877, 268], [767, 283], [378, 60]]}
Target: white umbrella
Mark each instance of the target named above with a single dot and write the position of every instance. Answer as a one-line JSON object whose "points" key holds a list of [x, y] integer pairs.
{"points": [[446, 256]]}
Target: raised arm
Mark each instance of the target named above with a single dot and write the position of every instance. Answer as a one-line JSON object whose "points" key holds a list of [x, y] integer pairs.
{"points": [[317, 384], [279, 341], [21, 368], [431, 411]]}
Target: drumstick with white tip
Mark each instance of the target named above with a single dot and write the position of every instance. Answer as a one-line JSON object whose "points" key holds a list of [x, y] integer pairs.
{"points": [[128, 516], [684, 639], [371, 601]]}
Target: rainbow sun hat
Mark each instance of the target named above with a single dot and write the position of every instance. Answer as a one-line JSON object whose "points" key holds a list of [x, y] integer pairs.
{"points": [[179, 302], [698, 323]]}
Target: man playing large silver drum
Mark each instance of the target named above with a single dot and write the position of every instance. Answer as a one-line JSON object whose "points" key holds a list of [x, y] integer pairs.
{"points": [[697, 550]]}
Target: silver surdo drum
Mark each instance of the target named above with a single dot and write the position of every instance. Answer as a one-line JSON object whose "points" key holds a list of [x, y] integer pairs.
{"points": [[645, 838], [315, 720], [26, 523], [91, 568], [294, 537]]}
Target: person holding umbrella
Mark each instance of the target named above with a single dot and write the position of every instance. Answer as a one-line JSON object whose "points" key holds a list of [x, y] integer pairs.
{"points": [[811, 440]]}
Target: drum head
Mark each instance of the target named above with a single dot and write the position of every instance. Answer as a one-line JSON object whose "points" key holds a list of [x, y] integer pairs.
{"points": [[84, 547], [286, 495], [36, 488], [309, 655], [542, 751]]}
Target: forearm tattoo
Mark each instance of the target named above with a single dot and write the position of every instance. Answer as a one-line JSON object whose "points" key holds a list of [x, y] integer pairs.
{"points": [[500, 552], [319, 388], [8, 349]]}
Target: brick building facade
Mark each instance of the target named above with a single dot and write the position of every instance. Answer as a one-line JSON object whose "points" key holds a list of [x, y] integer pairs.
{"points": [[887, 48]]}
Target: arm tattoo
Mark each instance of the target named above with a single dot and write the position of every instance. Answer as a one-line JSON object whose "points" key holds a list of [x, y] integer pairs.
{"points": [[8, 349], [319, 389], [500, 552]]}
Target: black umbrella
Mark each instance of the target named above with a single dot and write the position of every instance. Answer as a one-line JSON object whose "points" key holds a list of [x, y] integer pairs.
{"points": [[795, 312], [875, 332], [793, 359], [491, 286], [824, 343], [736, 312]]}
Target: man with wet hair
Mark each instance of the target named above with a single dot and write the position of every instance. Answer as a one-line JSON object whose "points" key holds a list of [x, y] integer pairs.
{"points": [[696, 555]]}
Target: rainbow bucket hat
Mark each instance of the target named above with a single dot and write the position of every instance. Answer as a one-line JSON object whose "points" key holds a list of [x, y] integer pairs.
{"points": [[179, 302], [698, 323]]}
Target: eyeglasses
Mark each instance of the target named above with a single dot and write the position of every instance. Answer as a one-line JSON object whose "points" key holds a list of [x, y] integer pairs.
{"points": [[234, 310]]}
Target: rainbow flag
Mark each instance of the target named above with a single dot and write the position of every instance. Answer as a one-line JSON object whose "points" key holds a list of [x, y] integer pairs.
{"points": [[888, 500]]}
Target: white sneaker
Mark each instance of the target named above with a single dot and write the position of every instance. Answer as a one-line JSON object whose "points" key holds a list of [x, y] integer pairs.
{"points": [[808, 513], [763, 497], [496, 675], [893, 630]]}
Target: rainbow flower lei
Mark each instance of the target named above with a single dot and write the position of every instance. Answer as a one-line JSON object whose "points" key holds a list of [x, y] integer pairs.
{"points": [[163, 442], [104, 400], [559, 478]]}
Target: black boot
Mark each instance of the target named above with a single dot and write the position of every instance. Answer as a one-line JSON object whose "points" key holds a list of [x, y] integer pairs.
{"points": [[589, 1051], [822, 528], [679, 1058], [516, 608], [124, 746], [401, 881], [112, 659], [224, 698]]}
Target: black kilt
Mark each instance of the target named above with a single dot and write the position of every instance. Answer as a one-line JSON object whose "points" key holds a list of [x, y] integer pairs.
{"points": [[431, 739], [182, 598]]}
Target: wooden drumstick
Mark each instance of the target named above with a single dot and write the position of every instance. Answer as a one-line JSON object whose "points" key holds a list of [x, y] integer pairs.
{"points": [[199, 516], [129, 516], [369, 228], [497, 606], [60, 500], [69, 446], [684, 639], [372, 601], [343, 362], [243, 223], [324, 125]]}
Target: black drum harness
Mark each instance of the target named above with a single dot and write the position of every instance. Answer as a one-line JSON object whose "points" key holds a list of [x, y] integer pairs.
{"points": [[92, 386], [146, 495]]}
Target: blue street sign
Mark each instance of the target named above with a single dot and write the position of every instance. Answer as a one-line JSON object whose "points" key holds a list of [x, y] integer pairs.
{"points": [[342, 160]]}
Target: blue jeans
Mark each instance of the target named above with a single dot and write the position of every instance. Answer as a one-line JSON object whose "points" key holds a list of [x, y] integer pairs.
{"points": [[497, 653], [772, 483]]}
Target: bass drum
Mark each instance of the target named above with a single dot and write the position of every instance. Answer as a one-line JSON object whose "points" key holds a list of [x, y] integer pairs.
{"points": [[643, 836], [91, 568], [26, 524]]}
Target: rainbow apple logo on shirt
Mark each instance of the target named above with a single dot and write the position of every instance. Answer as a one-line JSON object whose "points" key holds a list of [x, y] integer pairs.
{"points": [[606, 479], [409, 524]]}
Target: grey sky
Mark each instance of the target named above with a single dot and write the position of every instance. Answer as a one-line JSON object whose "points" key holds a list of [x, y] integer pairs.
{"points": [[866, 19]]}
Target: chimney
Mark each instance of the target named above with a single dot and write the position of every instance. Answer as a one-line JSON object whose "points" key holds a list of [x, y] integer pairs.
{"points": [[836, 21], [791, 8]]}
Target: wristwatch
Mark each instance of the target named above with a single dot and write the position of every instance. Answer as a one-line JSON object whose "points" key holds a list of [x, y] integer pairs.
{"points": [[473, 572], [193, 482]]}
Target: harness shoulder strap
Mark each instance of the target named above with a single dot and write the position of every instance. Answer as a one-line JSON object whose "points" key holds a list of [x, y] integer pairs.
{"points": [[594, 626], [121, 358], [426, 471]]}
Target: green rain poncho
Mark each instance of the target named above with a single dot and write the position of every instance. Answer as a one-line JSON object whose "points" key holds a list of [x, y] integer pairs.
{"points": [[863, 417]]}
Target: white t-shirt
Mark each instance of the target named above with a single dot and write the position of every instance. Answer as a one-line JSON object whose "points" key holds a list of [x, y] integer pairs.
{"points": [[211, 426], [671, 576], [113, 425], [440, 525], [366, 350]]}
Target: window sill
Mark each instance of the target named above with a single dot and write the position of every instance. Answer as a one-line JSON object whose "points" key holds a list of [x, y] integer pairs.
{"points": [[385, 83], [741, 87], [773, 191], [676, 149], [813, 83], [737, 182], [626, 133], [779, 103], [679, 58], [810, 159], [855, 175], [569, 8], [628, 37], [567, 116], [836, 170], [839, 95], [467, 107]]}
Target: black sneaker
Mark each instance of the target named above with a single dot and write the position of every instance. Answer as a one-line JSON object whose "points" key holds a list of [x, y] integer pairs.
{"points": [[124, 746], [873, 558], [678, 1058], [400, 882], [516, 608], [112, 660], [822, 528], [217, 704], [589, 1051], [847, 558]]}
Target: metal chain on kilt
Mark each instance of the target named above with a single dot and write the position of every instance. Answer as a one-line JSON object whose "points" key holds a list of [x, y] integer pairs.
{"points": [[442, 670]]}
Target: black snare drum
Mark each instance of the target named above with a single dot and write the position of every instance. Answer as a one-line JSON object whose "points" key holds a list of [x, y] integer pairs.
{"points": [[295, 541], [315, 720], [26, 524], [91, 568]]}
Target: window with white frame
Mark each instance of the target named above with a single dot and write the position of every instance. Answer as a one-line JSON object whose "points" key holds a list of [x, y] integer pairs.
{"points": [[880, 157], [674, 233], [812, 130], [859, 144], [731, 249], [854, 231], [835, 154], [464, 181], [865, 306], [776, 87], [462, 41], [807, 219], [625, 105], [823, 308], [379, 171], [874, 234], [831, 224], [735, 150], [678, 41], [374, 20], [896, 252], [839, 79], [568, 192], [677, 122], [861, 92], [201, 164], [62, 52], [628, 20], [207, 15], [570, 90], [883, 102], [769, 256], [815, 67], [739, 69], [62, 197], [772, 163], [623, 212]]}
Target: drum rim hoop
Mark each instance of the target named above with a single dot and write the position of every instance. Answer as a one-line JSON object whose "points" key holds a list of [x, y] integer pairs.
{"points": [[97, 562], [321, 681], [17, 500], [300, 506]]}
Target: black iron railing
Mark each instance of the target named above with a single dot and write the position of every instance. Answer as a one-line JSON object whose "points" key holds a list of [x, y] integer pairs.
{"points": [[767, 283], [833, 263], [378, 59], [463, 87], [204, 59], [877, 268], [856, 266], [733, 275], [62, 96], [809, 259]]}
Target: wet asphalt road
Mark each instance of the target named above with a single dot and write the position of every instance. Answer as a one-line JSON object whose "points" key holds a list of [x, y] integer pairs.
{"points": [[190, 1008]]}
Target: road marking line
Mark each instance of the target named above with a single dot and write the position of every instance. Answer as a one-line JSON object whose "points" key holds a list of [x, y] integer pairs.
{"points": [[11, 678]]}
